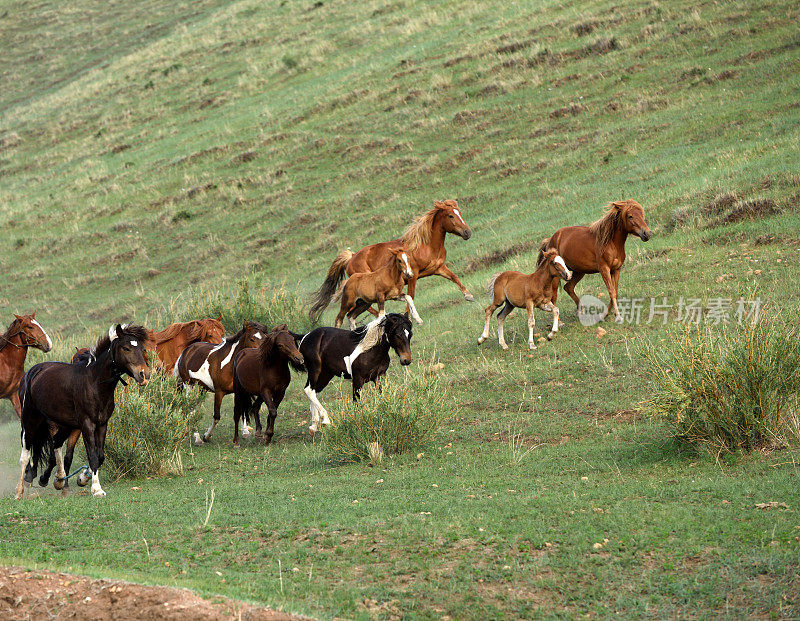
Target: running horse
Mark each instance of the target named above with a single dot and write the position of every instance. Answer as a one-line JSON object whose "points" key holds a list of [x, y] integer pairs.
{"points": [[24, 332], [60, 401], [599, 247], [424, 241], [210, 366]]}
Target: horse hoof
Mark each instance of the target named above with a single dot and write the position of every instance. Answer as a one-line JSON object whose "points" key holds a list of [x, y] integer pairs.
{"points": [[259, 434], [58, 483], [267, 440], [82, 482], [532, 347], [43, 482], [206, 438], [198, 441], [550, 337], [419, 321], [468, 297], [313, 430], [481, 340], [505, 347], [236, 445], [619, 319], [99, 493]]}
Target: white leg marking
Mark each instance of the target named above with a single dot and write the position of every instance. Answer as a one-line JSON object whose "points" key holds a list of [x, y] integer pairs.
{"points": [[500, 336], [413, 308], [555, 323], [60, 463], [352, 322], [243, 426], [97, 491], [210, 430], [314, 427], [531, 326]]}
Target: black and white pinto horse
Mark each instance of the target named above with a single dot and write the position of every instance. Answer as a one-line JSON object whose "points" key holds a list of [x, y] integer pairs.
{"points": [[211, 366], [360, 355], [60, 401]]}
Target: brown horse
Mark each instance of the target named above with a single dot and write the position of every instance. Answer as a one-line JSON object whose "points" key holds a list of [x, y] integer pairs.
{"points": [[424, 241], [386, 283], [172, 340], [599, 247], [263, 373], [518, 290], [210, 365], [24, 332]]}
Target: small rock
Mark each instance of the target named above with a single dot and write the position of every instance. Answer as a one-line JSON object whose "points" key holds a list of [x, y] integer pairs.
{"points": [[599, 332]]}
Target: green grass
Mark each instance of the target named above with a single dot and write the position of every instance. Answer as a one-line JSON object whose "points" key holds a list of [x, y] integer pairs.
{"points": [[149, 152]]}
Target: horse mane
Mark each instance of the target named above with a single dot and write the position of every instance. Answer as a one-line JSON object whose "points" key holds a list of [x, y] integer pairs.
{"points": [[603, 228], [372, 333], [173, 330], [137, 333], [7, 335], [418, 233]]}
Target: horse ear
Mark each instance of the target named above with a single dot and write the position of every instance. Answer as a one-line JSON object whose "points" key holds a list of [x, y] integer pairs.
{"points": [[33, 315], [618, 205], [18, 317], [119, 331], [438, 204], [406, 314], [281, 328], [219, 318]]}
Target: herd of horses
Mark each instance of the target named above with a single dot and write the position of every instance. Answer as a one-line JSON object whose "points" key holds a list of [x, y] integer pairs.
{"points": [[58, 402]]}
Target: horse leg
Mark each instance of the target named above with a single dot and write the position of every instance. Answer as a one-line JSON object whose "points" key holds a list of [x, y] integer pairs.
{"points": [[531, 323], [15, 402], [318, 413], [58, 438], [414, 313], [569, 287], [555, 323], [358, 309], [412, 287], [445, 272], [615, 279], [605, 273], [90, 441], [381, 306], [358, 383], [272, 408], [217, 406], [24, 462], [489, 312], [61, 482], [239, 406], [501, 316], [255, 412]]}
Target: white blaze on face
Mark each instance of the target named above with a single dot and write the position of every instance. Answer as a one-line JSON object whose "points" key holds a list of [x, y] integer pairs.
{"points": [[458, 213], [134, 343], [409, 273], [406, 331], [49, 342], [559, 261], [257, 335]]}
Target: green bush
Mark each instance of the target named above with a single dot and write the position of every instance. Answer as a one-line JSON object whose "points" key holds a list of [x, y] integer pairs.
{"points": [[149, 425], [255, 302], [402, 417], [729, 388]]}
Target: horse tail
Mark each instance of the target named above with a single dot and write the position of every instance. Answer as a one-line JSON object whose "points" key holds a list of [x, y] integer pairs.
{"points": [[492, 280], [542, 248], [336, 273], [41, 442]]}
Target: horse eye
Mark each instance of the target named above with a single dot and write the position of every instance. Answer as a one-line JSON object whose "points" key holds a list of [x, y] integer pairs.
{"points": [[125, 348]]}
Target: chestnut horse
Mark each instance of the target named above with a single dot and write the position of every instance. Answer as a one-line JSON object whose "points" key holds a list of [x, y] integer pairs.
{"points": [[424, 241], [209, 365], [386, 283], [172, 340], [60, 401], [24, 332], [518, 290], [263, 373], [599, 247]]}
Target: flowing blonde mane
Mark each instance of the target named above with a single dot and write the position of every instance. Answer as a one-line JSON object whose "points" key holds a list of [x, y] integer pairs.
{"points": [[418, 233], [603, 229]]}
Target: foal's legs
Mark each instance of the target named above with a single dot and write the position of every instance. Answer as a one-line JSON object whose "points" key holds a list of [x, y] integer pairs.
{"points": [[489, 312], [500, 319], [531, 323], [555, 323], [410, 302], [569, 287]]}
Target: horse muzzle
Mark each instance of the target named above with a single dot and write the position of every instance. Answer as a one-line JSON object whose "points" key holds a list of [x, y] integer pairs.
{"points": [[644, 235], [466, 234], [405, 360], [45, 347], [142, 378]]}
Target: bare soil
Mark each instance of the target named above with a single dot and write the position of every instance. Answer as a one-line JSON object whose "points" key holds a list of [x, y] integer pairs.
{"points": [[35, 594]]}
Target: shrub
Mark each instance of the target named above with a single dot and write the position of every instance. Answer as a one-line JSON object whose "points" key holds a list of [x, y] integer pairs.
{"points": [[402, 417], [268, 305], [148, 426], [729, 388]]}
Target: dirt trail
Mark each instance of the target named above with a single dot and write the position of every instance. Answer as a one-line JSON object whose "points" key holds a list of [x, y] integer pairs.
{"points": [[34, 594]]}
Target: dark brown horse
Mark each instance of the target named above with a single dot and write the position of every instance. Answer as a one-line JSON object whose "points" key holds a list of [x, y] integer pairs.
{"points": [[518, 290], [424, 241], [172, 340], [24, 332], [386, 283], [361, 355], [599, 247], [60, 401], [210, 365], [263, 374]]}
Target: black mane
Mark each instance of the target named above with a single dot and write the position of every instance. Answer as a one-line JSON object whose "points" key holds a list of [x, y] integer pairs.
{"points": [[137, 333]]}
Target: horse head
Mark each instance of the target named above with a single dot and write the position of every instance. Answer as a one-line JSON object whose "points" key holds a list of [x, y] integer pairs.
{"points": [[32, 333], [212, 330], [281, 341], [400, 257], [253, 333], [452, 220], [128, 353], [555, 264], [397, 330], [631, 216]]}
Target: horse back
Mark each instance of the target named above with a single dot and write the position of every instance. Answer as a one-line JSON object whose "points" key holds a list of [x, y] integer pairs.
{"points": [[577, 246]]}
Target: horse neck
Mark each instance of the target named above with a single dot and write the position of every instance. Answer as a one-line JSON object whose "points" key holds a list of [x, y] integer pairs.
{"points": [[541, 277], [619, 236], [437, 232], [102, 372], [14, 356]]}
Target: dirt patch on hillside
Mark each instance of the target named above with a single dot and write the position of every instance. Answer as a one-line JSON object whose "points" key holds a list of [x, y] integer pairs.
{"points": [[32, 595]]}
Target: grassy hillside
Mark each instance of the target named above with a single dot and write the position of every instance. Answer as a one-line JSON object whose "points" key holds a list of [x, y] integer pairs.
{"points": [[147, 149]]}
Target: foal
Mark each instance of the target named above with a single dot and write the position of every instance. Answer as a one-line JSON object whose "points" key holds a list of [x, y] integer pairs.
{"points": [[326, 349], [520, 291], [263, 373], [61, 400], [209, 365], [365, 288]]}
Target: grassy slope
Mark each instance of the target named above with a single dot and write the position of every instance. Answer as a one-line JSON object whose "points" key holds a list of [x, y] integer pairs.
{"points": [[128, 185]]}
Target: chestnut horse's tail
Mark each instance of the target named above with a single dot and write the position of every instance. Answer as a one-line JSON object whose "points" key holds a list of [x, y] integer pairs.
{"points": [[542, 248], [335, 275]]}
